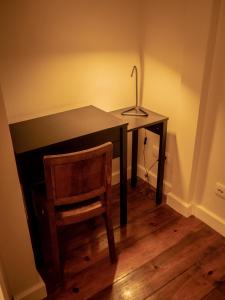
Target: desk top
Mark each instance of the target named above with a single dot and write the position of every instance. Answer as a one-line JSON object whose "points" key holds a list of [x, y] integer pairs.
{"points": [[48, 130], [135, 122]]}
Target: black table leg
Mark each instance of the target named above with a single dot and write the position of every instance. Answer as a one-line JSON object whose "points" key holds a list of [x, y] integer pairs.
{"points": [[123, 175], [134, 158], [162, 149]]}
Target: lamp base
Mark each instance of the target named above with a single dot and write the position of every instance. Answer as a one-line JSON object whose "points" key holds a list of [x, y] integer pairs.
{"points": [[135, 111]]}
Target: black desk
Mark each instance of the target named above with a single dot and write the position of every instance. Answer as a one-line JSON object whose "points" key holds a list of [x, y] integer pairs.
{"points": [[64, 132], [155, 123]]}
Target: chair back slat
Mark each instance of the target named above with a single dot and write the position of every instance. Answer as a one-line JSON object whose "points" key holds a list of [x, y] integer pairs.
{"points": [[78, 176]]}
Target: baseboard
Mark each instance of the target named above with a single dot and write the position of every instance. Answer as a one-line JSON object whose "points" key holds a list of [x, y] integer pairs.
{"points": [[210, 218], [179, 205], [116, 176], [141, 173], [173, 201], [153, 179], [36, 292]]}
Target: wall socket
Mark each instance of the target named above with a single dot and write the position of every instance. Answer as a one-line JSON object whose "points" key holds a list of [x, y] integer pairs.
{"points": [[220, 190]]}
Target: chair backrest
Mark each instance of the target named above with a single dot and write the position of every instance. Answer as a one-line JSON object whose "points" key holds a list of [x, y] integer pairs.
{"points": [[78, 176]]}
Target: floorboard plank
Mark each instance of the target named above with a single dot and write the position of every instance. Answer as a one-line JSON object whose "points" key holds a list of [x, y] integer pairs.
{"points": [[214, 295], [197, 281], [90, 253], [161, 255], [77, 235], [169, 264], [130, 258]]}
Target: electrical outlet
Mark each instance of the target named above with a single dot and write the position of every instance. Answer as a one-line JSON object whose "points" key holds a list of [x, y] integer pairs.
{"points": [[220, 190]]}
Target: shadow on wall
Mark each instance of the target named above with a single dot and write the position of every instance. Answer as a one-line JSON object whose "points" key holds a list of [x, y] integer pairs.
{"points": [[178, 52], [173, 175], [173, 170], [208, 109]]}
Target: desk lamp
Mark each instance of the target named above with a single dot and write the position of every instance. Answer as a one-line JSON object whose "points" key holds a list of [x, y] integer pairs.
{"points": [[136, 110]]}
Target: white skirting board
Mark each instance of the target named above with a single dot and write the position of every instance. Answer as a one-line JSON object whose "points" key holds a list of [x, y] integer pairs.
{"points": [[184, 208], [116, 176], [179, 205], [141, 174], [199, 211], [210, 218], [36, 292], [153, 179]]}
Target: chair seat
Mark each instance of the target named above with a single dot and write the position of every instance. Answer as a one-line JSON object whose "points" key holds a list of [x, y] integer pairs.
{"points": [[80, 214]]}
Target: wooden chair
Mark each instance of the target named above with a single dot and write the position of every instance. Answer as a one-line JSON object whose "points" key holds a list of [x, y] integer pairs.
{"points": [[77, 187]]}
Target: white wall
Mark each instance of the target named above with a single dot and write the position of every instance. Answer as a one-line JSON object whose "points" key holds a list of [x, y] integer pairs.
{"points": [[57, 55], [174, 53], [183, 60], [211, 147], [15, 247]]}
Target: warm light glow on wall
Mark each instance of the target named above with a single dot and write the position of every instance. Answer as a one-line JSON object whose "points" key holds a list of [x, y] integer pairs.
{"points": [[68, 81], [163, 87], [167, 91], [60, 56]]}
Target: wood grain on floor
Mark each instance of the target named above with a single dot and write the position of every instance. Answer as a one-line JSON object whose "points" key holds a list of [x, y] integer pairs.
{"points": [[161, 255]]}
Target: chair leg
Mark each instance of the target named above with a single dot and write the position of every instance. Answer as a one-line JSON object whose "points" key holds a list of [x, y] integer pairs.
{"points": [[110, 236]]}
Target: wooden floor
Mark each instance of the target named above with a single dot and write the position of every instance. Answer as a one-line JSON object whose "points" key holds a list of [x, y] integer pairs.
{"points": [[161, 255]]}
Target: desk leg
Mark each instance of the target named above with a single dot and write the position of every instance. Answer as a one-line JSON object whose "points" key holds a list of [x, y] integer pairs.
{"points": [[123, 175], [160, 175], [134, 158]]}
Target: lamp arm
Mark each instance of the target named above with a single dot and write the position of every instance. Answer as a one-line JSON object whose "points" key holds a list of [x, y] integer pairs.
{"points": [[136, 77]]}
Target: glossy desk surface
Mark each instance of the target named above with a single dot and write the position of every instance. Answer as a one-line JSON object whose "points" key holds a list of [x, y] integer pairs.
{"points": [[135, 122], [51, 129]]}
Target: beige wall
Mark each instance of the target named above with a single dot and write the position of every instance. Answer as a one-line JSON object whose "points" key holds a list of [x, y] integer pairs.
{"points": [[15, 247], [183, 66], [174, 53], [56, 55], [210, 154]]}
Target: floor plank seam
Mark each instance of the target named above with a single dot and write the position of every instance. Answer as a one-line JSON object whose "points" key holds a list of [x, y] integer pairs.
{"points": [[161, 255], [201, 257], [161, 287], [103, 234], [197, 264]]}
